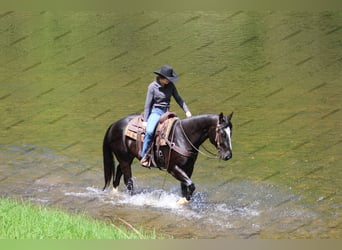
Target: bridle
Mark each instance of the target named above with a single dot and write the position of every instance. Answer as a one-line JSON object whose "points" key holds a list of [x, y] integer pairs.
{"points": [[217, 141], [218, 137]]}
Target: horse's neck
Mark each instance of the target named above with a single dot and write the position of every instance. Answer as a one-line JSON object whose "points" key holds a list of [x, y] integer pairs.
{"points": [[198, 128]]}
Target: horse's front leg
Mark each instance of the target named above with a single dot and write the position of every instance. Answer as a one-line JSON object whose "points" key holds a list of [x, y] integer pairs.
{"points": [[187, 191], [187, 186]]}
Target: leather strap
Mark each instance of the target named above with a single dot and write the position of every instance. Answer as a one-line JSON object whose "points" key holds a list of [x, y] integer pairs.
{"points": [[179, 150]]}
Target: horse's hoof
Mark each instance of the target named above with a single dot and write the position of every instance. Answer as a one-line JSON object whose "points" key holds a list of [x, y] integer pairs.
{"points": [[115, 190], [182, 201]]}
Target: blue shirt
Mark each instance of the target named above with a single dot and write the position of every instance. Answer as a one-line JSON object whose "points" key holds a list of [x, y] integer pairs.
{"points": [[159, 96]]}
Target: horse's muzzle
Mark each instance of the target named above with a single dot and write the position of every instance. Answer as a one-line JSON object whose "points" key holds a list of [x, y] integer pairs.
{"points": [[227, 156]]}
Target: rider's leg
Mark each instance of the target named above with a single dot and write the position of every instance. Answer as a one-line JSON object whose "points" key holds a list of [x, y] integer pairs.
{"points": [[149, 135]]}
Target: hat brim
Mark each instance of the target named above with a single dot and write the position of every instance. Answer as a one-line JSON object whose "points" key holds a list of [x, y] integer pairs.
{"points": [[172, 78]]}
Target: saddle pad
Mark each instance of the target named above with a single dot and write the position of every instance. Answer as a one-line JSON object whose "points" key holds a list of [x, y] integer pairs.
{"points": [[133, 127], [163, 129]]}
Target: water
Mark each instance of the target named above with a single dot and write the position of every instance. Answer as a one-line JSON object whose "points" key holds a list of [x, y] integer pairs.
{"points": [[238, 209], [66, 76]]}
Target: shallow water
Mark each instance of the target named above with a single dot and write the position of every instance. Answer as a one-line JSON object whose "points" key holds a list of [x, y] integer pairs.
{"points": [[66, 76], [237, 209]]}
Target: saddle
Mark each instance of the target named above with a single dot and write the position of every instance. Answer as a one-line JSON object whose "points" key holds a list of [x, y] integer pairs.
{"points": [[136, 131]]}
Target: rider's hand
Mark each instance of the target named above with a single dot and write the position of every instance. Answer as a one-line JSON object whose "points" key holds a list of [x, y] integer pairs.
{"points": [[188, 114]]}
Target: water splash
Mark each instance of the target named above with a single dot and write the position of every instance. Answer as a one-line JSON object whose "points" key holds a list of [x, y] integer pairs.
{"points": [[141, 198], [200, 208]]}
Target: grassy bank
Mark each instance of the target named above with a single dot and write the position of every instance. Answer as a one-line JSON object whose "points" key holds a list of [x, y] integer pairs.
{"points": [[19, 220]]}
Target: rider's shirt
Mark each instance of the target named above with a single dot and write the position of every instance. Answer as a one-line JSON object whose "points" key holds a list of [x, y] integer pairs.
{"points": [[160, 96]]}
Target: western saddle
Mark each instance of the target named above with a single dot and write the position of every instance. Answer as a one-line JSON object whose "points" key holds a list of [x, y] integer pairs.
{"points": [[136, 131]]}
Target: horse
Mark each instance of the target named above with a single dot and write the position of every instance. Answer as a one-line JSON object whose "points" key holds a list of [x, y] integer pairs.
{"points": [[181, 154]]}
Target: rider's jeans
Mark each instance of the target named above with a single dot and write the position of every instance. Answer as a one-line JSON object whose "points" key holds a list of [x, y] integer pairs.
{"points": [[152, 122]]}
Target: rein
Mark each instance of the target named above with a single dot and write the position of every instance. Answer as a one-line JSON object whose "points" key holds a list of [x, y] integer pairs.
{"points": [[217, 139]]}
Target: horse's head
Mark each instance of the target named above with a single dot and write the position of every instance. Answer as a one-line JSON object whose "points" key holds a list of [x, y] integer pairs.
{"points": [[223, 138]]}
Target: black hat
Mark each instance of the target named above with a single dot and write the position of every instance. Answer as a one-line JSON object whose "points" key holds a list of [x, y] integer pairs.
{"points": [[167, 72]]}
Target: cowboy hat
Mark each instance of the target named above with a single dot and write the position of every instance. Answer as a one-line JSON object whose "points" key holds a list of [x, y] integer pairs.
{"points": [[167, 72]]}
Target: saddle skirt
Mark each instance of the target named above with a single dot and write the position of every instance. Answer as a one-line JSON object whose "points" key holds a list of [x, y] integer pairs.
{"points": [[136, 131]]}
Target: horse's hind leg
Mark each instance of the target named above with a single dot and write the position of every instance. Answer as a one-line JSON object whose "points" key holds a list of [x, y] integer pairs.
{"points": [[129, 185], [116, 181], [125, 169]]}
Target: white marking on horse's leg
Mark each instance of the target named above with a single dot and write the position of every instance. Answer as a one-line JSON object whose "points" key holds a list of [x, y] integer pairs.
{"points": [[115, 190], [182, 201]]}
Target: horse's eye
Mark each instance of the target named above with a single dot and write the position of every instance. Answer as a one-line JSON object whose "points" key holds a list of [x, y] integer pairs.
{"points": [[223, 133]]}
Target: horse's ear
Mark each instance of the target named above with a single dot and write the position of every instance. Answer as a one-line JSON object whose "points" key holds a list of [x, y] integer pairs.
{"points": [[221, 118], [229, 117]]}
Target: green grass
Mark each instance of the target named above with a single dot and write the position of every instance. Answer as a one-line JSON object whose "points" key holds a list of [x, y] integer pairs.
{"points": [[19, 220]]}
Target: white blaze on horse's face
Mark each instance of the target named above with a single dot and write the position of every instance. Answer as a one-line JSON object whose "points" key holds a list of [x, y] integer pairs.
{"points": [[227, 130]]}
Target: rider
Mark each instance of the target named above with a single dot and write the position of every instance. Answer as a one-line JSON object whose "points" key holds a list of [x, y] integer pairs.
{"points": [[157, 103]]}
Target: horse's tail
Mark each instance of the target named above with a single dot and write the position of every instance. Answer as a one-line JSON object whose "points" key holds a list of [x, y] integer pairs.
{"points": [[108, 160]]}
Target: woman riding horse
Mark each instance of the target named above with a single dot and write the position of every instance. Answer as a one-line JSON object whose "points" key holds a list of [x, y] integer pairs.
{"points": [[181, 151], [157, 102]]}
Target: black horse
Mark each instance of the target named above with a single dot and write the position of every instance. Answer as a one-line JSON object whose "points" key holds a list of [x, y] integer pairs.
{"points": [[187, 136]]}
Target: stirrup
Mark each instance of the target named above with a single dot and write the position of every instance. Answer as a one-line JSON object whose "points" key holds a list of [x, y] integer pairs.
{"points": [[145, 162]]}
